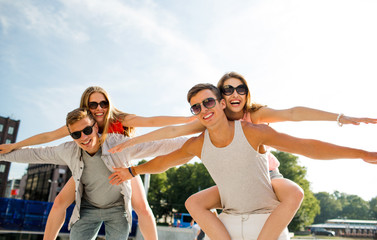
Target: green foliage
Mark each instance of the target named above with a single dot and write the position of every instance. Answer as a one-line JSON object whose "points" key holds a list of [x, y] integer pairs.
{"points": [[185, 181], [290, 169], [169, 190], [373, 208], [330, 207], [342, 205]]}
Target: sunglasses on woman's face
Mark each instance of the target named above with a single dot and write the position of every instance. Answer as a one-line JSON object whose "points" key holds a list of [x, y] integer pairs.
{"points": [[207, 103], [87, 131], [229, 89], [102, 104]]}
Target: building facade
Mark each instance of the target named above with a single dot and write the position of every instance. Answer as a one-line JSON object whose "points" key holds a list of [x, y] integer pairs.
{"points": [[44, 181], [350, 228], [8, 134]]}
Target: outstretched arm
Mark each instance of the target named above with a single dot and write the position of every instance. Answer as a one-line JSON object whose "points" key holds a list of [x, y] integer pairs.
{"points": [[156, 165], [314, 149], [59, 155], [162, 133], [35, 140], [269, 115], [158, 121]]}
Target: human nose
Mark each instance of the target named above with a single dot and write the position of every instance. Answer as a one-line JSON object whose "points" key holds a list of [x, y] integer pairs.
{"points": [[235, 93], [98, 106]]}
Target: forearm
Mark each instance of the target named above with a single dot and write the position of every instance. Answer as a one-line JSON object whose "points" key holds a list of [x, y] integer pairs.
{"points": [[34, 140], [43, 138], [323, 151], [160, 121], [169, 132], [310, 114], [162, 133], [45, 155], [158, 165]]}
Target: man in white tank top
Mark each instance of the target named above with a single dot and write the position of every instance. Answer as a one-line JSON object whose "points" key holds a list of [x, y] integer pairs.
{"points": [[229, 151]]}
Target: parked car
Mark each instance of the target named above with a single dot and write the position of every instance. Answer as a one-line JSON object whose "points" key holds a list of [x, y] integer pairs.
{"points": [[322, 231], [182, 220]]}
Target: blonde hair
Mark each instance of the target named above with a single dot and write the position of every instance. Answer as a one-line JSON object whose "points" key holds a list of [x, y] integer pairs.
{"points": [[112, 115], [249, 106]]}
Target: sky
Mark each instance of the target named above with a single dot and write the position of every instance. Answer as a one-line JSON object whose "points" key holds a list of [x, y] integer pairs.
{"points": [[147, 54]]}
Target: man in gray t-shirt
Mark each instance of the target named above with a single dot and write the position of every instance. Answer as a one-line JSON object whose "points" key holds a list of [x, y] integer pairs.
{"points": [[97, 201]]}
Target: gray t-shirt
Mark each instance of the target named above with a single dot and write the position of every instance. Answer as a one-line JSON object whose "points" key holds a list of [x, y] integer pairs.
{"points": [[97, 189]]}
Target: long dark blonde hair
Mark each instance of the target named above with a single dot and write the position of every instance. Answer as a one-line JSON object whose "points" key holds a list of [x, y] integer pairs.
{"points": [[249, 106], [111, 116]]}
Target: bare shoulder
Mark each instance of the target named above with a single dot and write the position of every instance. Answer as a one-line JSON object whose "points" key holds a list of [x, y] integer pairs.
{"points": [[252, 127], [194, 145], [129, 117], [256, 133]]}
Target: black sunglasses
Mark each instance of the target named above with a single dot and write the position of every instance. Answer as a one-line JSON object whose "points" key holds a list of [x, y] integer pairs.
{"points": [[87, 131], [229, 90], [102, 104], [208, 103]]}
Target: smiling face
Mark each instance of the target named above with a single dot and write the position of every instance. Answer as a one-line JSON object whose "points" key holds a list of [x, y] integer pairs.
{"points": [[98, 113], [208, 117], [235, 103], [90, 143]]}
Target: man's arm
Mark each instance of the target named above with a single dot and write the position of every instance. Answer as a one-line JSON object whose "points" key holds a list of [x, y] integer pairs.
{"points": [[50, 155], [142, 150], [311, 148], [158, 164]]}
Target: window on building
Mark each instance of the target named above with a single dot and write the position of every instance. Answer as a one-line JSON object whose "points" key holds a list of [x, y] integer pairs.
{"points": [[8, 141], [1, 127], [10, 130], [2, 168]]}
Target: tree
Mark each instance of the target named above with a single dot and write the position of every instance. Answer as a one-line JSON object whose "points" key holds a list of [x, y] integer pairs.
{"points": [[354, 207], [185, 181], [330, 207], [310, 206], [157, 194], [373, 207]]}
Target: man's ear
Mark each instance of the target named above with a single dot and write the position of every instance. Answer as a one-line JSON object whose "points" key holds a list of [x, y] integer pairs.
{"points": [[222, 104]]}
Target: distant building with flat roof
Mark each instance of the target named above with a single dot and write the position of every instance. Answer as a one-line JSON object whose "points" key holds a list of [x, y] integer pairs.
{"points": [[350, 227]]}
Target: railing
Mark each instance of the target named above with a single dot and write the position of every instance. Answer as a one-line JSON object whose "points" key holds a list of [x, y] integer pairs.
{"points": [[31, 216]]}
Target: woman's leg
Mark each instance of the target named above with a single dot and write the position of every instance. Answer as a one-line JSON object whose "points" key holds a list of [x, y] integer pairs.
{"points": [[199, 205], [290, 196], [145, 215], [56, 217]]}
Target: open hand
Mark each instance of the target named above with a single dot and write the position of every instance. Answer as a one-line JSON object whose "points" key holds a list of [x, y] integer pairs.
{"points": [[370, 157], [119, 176], [356, 121], [6, 148]]}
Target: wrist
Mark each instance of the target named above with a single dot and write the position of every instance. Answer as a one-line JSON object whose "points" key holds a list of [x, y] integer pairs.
{"points": [[338, 119], [14, 146], [132, 171]]}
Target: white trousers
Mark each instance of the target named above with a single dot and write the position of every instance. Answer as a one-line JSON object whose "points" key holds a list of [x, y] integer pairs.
{"points": [[246, 226]]}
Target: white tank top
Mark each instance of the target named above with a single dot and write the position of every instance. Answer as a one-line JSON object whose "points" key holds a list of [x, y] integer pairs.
{"points": [[241, 174]]}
